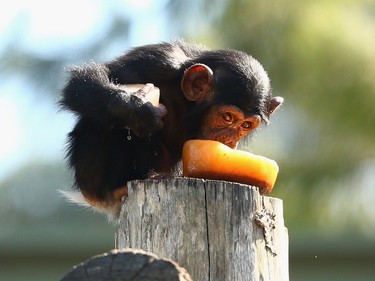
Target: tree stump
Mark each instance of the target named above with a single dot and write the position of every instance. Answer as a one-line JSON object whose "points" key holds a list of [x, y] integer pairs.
{"points": [[127, 265], [217, 230]]}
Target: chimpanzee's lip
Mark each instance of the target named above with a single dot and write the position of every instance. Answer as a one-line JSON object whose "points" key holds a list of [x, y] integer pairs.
{"points": [[231, 144]]}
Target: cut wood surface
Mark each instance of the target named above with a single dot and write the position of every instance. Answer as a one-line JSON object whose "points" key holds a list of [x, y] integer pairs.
{"points": [[217, 230], [127, 265]]}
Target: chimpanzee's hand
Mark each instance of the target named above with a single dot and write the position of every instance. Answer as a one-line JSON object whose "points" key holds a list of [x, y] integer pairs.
{"points": [[138, 114]]}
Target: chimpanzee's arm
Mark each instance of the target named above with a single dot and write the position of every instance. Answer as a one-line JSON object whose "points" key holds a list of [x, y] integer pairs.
{"points": [[90, 93]]}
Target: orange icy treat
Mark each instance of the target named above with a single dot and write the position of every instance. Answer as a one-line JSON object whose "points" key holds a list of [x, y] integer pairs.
{"points": [[213, 160]]}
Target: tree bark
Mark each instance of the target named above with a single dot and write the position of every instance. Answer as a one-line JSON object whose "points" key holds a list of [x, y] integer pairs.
{"points": [[217, 230]]}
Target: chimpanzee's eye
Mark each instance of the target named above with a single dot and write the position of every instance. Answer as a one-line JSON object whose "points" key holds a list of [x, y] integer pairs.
{"points": [[247, 125], [227, 117]]}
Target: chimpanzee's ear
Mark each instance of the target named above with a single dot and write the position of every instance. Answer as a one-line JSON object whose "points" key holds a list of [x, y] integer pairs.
{"points": [[275, 103], [198, 82]]}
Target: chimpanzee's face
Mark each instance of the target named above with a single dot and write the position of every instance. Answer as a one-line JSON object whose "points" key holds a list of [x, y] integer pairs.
{"points": [[227, 124]]}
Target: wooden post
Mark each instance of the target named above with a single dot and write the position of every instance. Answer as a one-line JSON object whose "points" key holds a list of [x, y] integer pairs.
{"points": [[217, 230]]}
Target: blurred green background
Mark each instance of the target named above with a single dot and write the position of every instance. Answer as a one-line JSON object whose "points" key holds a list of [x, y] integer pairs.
{"points": [[320, 56]]}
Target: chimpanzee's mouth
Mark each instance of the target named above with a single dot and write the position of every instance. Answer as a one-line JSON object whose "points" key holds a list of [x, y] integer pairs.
{"points": [[231, 144]]}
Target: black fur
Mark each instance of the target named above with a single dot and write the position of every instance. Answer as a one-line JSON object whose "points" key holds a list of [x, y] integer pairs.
{"points": [[100, 153]]}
